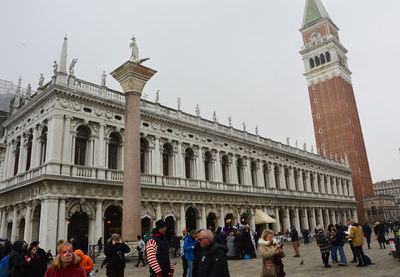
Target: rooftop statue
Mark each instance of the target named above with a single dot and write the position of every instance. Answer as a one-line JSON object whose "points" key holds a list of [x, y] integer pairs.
{"points": [[55, 67], [72, 66], [41, 80]]}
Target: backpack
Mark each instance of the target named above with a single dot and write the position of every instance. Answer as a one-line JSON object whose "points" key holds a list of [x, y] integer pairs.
{"points": [[4, 266], [367, 260]]}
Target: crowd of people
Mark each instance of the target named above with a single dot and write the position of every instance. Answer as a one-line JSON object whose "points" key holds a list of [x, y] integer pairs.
{"points": [[204, 253]]}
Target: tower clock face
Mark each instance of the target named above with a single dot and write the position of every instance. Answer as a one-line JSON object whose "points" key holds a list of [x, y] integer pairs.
{"points": [[315, 35]]}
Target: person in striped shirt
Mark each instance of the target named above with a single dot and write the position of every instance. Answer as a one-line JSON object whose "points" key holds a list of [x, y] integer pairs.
{"points": [[157, 250]]}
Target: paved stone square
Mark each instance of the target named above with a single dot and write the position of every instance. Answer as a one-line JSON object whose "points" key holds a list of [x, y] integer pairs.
{"points": [[385, 265]]}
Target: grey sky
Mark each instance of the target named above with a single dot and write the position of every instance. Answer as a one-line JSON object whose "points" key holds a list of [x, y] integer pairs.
{"points": [[237, 58]]}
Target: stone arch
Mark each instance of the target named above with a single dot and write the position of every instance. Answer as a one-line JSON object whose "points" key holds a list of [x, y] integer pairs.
{"points": [[169, 210], [83, 206], [148, 211]]}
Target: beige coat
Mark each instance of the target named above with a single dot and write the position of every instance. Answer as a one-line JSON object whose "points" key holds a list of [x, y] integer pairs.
{"points": [[267, 251]]}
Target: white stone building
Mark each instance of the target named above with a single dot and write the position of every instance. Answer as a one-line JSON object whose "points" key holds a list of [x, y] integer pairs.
{"points": [[62, 152]]}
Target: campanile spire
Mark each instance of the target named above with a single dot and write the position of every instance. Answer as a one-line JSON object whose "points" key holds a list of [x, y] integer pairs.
{"points": [[337, 127]]}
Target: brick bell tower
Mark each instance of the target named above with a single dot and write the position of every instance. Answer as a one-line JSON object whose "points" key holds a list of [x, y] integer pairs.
{"points": [[337, 125]]}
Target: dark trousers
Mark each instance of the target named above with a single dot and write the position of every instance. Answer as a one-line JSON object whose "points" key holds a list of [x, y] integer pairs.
{"points": [[164, 274], [368, 241], [325, 258], [140, 259], [116, 272], [360, 255], [184, 265], [352, 250]]}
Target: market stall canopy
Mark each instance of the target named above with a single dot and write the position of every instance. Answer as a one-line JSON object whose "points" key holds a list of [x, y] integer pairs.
{"points": [[263, 218]]}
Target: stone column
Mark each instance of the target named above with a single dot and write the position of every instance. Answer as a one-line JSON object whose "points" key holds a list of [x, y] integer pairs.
{"points": [[156, 158], [28, 224], [308, 181], [158, 212], [55, 141], [222, 217], [351, 190], [3, 226], [183, 216], [333, 217], [292, 185], [314, 219], [180, 163], [218, 173], [320, 217], [203, 224], [334, 184], [355, 215], [344, 211], [7, 161], [340, 185], [99, 220], [259, 173], [271, 177], [305, 223], [200, 165], [252, 220], [22, 154], [314, 183], [14, 225], [100, 153], [297, 219], [322, 184], [48, 226], [66, 150], [282, 184], [132, 77], [277, 225], [62, 224], [35, 148], [329, 185], [247, 172], [286, 220], [300, 180]]}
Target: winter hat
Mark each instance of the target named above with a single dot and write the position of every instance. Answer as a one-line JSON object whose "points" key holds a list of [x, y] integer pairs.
{"points": [[160, 223]]}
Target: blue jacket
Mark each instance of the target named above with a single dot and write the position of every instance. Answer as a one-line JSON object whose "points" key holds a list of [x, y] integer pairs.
{"points": [[187, 247]]}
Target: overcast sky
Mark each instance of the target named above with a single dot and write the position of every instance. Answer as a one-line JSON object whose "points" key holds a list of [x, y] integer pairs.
{"points": [[238, 58]]}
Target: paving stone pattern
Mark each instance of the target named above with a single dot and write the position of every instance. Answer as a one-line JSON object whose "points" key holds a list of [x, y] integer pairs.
{"points": [[385, 265]]}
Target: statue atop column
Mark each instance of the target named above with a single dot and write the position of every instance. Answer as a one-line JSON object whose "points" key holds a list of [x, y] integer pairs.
{"points": [[197, 110], [135, 50], [72, 66], [230, 121], [157, 96], [214, 116], [257, 130], [179, 103], [55, 68], [103, 78], [41, 80]]}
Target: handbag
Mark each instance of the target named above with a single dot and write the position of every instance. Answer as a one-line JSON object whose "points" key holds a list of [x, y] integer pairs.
{"points": [[92, 274]]}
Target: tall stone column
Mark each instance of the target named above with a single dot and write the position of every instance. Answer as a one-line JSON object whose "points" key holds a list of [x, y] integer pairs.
{"points": [[286, 220], [14, 225], [179, 162], [35, 147], [48, 223], [22, 154], [297, 219], [99, 220], [334, 185], [308, 182], [62, 223], [7, 160], [340, 186], [156, 158], [314, 215], [218, 170], [222, 217], [132, 77], [28, 224], [292, 185], [55, 141], [271, 177], [259, 174], [282, 180], [100, 153], [328, 180], [182, 216], [300, 180], [3, 226], [203, 224], [277, 225], [158, 211], [351, 190], [306, 225]]}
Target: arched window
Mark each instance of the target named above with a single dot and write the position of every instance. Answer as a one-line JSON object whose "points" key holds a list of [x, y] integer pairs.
{"points": [[322, 57], [113, 149], [189, 159], [167, 155], [43, 145], [328, 57], [207, 166], [29, 153], [81, 141], [144, 156], [239, 167], [276, 173], [253, 168], [312, 65], [16, 160], [317, 63], [224, 168]]}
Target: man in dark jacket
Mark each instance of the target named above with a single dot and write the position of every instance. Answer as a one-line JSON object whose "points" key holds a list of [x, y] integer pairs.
{"points": [[157, 250], [367, 232], [17, 263], [43, 258], [115, 255], [212, 257], [294, 235], [338, 240]]}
